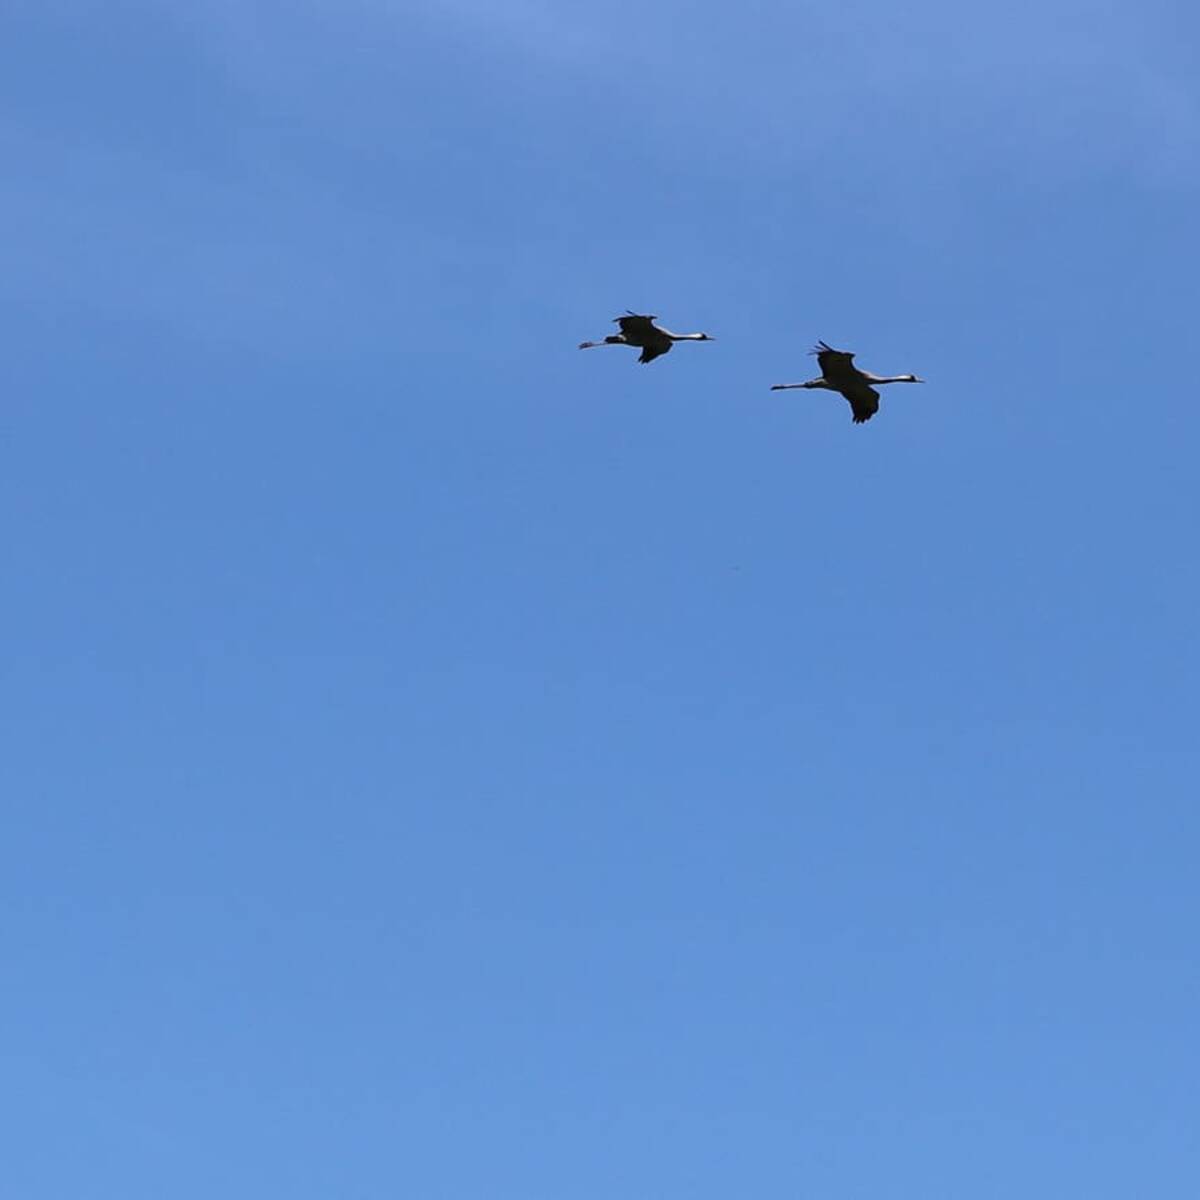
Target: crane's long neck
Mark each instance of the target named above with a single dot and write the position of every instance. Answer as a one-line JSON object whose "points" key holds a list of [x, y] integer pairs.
{"points": [[892, 379], [687, 337]]}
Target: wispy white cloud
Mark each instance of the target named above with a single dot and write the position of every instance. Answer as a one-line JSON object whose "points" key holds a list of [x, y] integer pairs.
{"points": [[897, 103], [1064, 87], [1084, 86]]}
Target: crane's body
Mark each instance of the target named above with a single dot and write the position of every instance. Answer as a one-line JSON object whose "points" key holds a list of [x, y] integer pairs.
{"points": [[839, 374], [640, 331]]}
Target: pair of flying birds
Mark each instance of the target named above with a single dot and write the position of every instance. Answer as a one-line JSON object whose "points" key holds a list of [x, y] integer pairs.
{"points": [[838, 372]]}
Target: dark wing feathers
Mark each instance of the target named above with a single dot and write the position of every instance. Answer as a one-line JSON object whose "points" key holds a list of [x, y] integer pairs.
{"points": [[639, 330], [864, 401], [835, 364], [635, 323]]}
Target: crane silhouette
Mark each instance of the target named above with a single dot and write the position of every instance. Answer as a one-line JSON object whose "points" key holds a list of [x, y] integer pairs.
{"points": [[839, 374], [640, 331]]}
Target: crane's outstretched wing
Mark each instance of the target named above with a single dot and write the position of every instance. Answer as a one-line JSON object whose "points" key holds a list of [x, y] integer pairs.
{"points": [[653, 350], [636, 324], [834, 364], [864, 401]]}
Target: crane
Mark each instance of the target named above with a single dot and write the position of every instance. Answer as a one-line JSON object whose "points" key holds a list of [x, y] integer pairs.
{"points": [[640, 331], [839, 374]]}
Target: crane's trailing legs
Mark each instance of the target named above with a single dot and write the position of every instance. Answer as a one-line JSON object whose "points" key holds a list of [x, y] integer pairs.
{"points": [[613, 339]]}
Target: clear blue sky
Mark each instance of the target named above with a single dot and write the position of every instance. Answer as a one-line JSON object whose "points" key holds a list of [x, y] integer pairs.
{"points": [[442, 764]]}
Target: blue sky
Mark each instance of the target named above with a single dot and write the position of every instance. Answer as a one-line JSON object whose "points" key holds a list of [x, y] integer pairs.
{"points": [[443, 764]]}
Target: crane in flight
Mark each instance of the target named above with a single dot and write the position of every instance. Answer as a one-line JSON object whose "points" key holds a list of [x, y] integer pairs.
{"points": [[641, 332], [839, 374]]}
